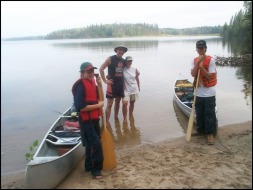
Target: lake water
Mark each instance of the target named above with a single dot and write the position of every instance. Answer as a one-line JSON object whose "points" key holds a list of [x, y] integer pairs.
{"points": [[37, 76]]}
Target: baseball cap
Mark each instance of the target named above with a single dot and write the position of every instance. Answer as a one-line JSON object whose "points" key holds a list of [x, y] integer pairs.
{"points": [[129, 58], [201, 44], [86, 66]]}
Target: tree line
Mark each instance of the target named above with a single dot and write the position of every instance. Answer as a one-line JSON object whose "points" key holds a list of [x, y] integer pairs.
{"points": [[128, 30], [239, 30], [106, 31]]}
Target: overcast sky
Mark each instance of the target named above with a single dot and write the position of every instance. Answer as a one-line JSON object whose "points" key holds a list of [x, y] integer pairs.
{"points": [[22, 18]]}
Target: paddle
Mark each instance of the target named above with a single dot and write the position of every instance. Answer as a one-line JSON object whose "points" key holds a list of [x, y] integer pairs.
{"points": [[106, 138], [191, 118]]}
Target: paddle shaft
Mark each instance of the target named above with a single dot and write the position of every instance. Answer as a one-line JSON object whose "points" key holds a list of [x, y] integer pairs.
{"points": [[191, 118], [101, 98], [109, 161]]}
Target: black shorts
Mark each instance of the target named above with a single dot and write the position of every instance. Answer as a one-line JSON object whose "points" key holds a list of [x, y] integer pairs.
{"points": [[115, 90]]}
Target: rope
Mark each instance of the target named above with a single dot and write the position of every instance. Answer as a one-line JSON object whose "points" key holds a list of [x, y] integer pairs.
{"points": [[224, 146]]}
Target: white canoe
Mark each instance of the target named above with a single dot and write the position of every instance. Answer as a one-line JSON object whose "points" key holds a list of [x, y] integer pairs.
{"points": [[57, 155], [183, 96]]}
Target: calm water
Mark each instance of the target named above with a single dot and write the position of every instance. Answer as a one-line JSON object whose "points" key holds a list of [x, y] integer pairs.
{"points": [[37, 77]]}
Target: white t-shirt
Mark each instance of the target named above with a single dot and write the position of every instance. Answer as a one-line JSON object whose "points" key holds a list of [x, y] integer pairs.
{"points": [[206, 91], [130, 83]]}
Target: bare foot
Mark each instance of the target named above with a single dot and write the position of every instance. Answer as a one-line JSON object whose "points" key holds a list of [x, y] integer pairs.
{"points": [[98, 177]]}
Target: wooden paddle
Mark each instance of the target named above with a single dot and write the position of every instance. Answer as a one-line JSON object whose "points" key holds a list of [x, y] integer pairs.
{"points": [[191, 118], [106, 138]]}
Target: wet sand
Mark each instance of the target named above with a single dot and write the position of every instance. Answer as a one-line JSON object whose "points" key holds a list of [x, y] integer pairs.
{"points": [[171, 164]]}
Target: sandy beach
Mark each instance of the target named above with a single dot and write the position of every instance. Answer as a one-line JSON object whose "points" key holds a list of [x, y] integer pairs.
{"points": [[171, 164]]}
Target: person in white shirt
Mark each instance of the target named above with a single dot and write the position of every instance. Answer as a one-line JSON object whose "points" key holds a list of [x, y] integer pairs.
{"points": [[131, 87], [204, 66]]}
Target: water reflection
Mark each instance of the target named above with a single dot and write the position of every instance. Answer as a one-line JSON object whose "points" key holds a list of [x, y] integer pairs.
{"points": [[182, 118], [107, 45], [135, 132], [245, 73], [238, 47], [126, 133]]}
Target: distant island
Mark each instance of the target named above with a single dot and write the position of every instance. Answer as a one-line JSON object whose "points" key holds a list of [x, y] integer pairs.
{"points": [[121, 30]]}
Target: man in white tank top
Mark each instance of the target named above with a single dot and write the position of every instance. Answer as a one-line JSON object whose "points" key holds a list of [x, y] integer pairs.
{"points": [[131, 87]]}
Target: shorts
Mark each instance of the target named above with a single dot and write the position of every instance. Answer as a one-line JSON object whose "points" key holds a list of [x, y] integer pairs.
{"points": [[114, 91], [131, 98]]}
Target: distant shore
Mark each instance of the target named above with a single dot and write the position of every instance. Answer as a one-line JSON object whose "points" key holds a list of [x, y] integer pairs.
{"points": [[171, 164]]}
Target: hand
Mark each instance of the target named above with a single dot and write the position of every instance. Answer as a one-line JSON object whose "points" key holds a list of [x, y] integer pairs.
{"points": [[200, 60], [109, 81], [98, 80]]}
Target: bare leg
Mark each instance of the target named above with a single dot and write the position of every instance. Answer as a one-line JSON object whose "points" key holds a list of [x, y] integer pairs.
{"points": [[116, 107], [131, 108], [124, 110], [108, 109]]}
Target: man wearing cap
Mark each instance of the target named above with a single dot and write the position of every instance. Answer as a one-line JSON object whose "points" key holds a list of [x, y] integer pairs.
{"points": [[205, 97], [87, 103], [114, 80]]}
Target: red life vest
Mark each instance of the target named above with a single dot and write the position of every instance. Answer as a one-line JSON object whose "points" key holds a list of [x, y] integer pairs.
{"points": [[90, 98], [206, 82]]}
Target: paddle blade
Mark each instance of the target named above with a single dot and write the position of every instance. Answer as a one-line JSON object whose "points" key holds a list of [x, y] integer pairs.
{"points": [[108, 150], [190, 126]]}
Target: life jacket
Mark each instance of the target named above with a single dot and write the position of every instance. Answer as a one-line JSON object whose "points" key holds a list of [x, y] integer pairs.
{"points": [[206, 82], [90, 99]]}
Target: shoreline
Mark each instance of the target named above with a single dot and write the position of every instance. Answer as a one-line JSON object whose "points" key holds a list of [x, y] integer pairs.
{"points": [[136, 167]]}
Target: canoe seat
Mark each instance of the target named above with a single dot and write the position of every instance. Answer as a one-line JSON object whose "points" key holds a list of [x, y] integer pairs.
{"points": [[66, 133], [52, 139], [185, 85]]}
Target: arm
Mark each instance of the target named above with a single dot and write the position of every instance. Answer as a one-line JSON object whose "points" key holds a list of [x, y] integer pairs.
{"points": [[137, 79], [102, 68], [99, 105], [79, 94], [205, 72], [211, 70], [196, 67]]}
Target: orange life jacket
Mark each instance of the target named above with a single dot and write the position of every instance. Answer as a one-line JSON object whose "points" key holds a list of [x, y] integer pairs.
{"points": [[90, 98], [206, 82]]}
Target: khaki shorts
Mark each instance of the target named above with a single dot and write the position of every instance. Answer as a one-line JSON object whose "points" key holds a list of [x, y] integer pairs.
{"points": [[131, 98]]}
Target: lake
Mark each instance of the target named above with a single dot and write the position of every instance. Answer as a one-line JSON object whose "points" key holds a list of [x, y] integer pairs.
{"points": [[37, 76]]}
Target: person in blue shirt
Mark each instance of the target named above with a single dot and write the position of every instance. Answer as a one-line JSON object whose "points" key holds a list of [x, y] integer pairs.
{"points": [[87, 103]]}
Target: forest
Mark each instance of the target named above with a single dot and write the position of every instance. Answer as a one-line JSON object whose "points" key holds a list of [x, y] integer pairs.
{"points": [[128, 30], [238, 33]]}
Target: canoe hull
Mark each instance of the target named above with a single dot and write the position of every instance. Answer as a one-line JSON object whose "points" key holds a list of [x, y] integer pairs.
{"points": [[52, 163], [182, 87], [183, 96]]}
